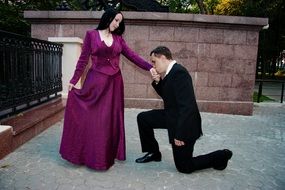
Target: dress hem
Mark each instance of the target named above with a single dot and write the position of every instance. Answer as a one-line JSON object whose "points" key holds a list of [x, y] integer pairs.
{"points": [[89, 166]]}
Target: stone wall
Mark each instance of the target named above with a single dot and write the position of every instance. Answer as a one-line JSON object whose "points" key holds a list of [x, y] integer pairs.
{"points": [[220, 52]]}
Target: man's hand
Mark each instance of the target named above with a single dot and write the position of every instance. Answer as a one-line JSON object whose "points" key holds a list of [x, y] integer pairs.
{"points": [[178, 142], [155, 75]]}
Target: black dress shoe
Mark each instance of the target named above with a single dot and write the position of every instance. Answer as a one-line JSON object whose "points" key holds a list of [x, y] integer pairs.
{"points": [[149, 157], [222, 164]]}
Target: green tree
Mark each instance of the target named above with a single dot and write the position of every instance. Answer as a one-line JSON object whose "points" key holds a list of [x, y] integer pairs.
{"points": [[11, 13], [11, 19], [191, 6], [178, 6], [211, 5], [229, 7]]}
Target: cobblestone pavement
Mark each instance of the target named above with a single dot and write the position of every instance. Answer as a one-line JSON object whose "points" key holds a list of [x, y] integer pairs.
{"points": [[258, 162]]}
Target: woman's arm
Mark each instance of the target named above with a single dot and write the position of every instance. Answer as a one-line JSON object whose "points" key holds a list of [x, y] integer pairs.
{"points": [[134, 57], [83, 59]]}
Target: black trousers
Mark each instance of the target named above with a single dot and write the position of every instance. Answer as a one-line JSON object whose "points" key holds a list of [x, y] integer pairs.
{"points": [[183, 155]]}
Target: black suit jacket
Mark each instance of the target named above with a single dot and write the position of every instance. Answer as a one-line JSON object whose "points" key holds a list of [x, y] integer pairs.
{"points": [[183, 119]]}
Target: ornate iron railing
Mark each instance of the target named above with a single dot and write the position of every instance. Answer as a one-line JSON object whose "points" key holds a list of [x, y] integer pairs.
{"points": [[260, 88], [30, 72]]}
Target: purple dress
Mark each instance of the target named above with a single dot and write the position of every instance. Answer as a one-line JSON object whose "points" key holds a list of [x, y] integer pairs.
{"points": [[93, 130]]}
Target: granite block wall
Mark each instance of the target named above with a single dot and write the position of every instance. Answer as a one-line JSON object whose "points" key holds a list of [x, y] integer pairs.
{"points": [[220, 52]]}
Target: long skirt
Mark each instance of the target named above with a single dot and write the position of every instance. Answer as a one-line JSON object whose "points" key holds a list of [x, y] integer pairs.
{"points": [[93, 130]]}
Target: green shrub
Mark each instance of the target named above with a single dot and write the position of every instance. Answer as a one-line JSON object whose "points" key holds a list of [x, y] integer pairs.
{"points": [[262, 98]]}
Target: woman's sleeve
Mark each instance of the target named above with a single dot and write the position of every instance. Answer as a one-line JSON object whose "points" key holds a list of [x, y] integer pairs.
{"points": [[134, 57], [83, 59]]}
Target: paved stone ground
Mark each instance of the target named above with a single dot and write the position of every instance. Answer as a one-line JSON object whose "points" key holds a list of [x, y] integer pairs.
{"points": [[258, 162]]}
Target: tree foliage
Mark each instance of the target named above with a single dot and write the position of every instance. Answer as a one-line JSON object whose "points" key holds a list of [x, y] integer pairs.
{"points": [[211, 5], [11, 13], [191, 6], [229, 7], [178, 6], [11, 19]]}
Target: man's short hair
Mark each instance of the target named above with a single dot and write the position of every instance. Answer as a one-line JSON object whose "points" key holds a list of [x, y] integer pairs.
{"points": [[161, 50]]}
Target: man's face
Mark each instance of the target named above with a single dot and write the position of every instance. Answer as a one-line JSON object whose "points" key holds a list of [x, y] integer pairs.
{"points": [[159, 63]]}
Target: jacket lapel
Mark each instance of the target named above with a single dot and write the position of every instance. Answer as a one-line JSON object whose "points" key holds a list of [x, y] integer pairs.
{"points": [[170, 73]]}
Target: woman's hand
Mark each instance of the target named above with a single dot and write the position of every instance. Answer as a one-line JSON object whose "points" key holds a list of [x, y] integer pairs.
{"points": [[153, 71], [155, 75], [70, 86]]}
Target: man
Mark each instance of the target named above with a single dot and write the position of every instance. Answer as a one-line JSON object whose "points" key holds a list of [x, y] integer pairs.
{"points": [[180, 116]]}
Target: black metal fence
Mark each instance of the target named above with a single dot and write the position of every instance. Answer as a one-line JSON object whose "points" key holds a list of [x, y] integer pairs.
{"points": [[30, 72], [269, 68], [261, 88]]}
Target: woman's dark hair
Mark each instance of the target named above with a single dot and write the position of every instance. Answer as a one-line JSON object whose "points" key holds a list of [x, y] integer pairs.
{"points": [[162, 50], [106, 19]]}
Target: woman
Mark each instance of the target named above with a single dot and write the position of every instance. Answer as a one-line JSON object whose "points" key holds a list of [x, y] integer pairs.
{"points": [[93, 131]]}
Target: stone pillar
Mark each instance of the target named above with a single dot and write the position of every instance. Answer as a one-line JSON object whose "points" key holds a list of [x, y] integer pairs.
{"points": [[5, 140], [71, 53]]}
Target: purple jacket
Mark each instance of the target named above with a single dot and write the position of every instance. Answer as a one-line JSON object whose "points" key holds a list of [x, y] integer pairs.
{"points": [[105, 59]]}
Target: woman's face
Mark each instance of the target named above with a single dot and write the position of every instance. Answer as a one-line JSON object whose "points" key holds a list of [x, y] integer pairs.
{"points": [[116, 22]]}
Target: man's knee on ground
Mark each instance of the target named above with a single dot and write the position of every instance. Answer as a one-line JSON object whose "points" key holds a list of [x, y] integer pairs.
{"points": [[184, 169], [141, 116]]}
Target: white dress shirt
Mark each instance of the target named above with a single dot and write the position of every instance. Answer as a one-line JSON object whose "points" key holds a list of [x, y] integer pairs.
{"points": [[169, 67]]}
